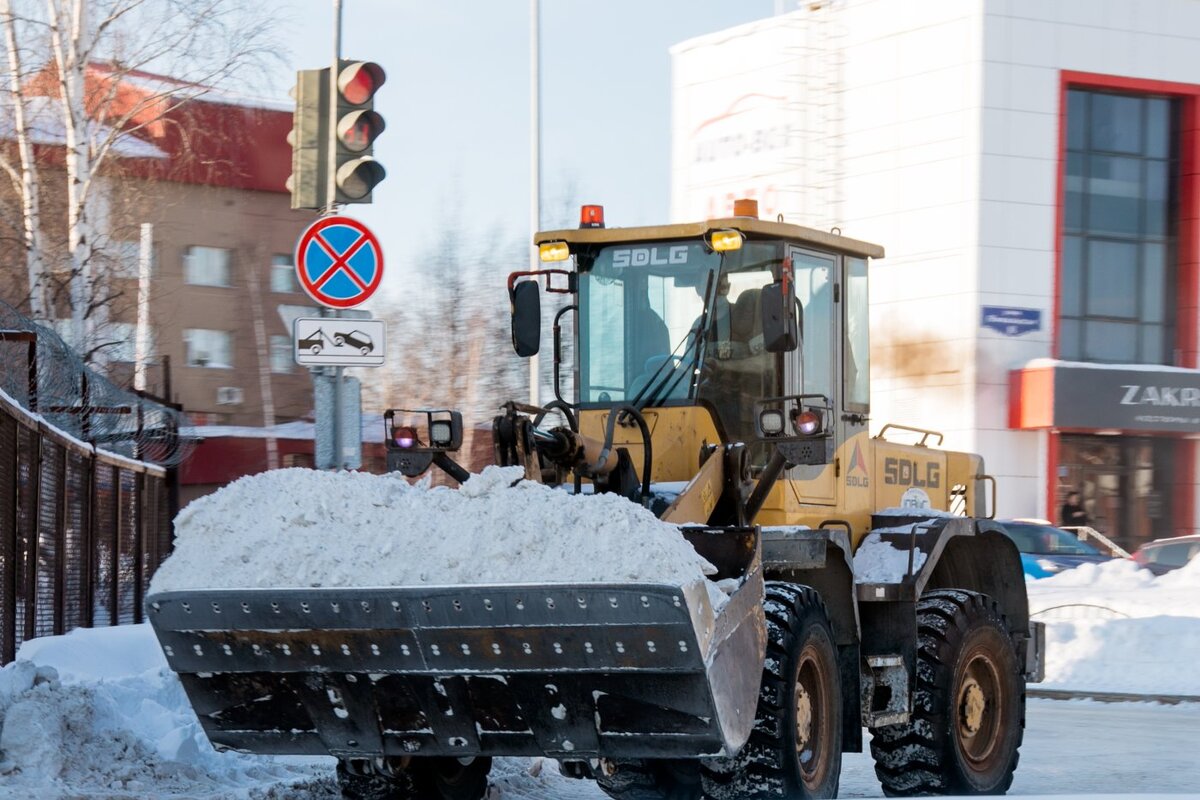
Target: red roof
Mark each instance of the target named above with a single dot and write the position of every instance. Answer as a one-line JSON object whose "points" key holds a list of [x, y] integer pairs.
{"points": [[211, 138]]}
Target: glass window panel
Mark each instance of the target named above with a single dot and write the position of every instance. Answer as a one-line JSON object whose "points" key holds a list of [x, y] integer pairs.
{"points": [[604, 341], [856, 354], [1068, 340], [283, 274], [814, 290], [124, 259], [1077, 120], [1156, 194], [1114, 188], [1158, 127], [1116, 123], [1071, 299], [1154, 282], [1114, 342], [281, 354], [206, 266], [1074, 205], [1154, 344], [208, 348], [1112, 279]]}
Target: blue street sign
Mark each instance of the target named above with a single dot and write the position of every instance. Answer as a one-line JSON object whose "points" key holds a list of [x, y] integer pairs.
{"points": [[1011, 321]]}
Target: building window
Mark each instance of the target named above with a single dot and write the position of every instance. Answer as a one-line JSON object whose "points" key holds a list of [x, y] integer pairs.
{"points": [[281, 354], [208, 348], [124, 259], [283, 274], [1118, 246], [206, 266]]}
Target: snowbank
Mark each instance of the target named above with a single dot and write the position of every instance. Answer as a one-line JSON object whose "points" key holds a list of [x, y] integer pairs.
{"points": [[1114, 627], [301, 528], [97, 713]]}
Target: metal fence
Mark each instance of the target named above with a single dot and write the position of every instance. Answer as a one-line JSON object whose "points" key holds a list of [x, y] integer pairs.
{"points": [[81, 531]]}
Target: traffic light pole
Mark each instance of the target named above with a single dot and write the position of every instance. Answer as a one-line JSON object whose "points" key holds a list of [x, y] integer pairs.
{"points": [[330, 202], [331, 167]]}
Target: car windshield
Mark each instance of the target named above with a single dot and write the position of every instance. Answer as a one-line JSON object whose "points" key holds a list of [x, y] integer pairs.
{"points": [[1045, 540]]}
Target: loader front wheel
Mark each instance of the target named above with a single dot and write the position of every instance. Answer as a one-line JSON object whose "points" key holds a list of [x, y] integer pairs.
{"points": [[795, 749], [419, 779], [969, 707]]}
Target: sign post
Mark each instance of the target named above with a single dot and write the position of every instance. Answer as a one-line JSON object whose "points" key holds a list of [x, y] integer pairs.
{"points": [[339, 263]]}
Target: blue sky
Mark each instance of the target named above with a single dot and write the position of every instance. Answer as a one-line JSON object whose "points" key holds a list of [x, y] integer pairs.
{"points": [[457, 106]]}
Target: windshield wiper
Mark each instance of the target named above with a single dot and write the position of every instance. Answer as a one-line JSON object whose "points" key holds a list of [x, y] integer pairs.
{"points": [[693, 338]]}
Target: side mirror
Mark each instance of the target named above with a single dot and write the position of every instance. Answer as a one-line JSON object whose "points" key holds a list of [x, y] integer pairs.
{"points": [[781, 330], [526, 300]]}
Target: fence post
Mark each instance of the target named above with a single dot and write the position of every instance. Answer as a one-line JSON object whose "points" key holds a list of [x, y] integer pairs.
{"points": [[139, 542], [8, 648], [35, 535], [60, 544], [89, 543]]}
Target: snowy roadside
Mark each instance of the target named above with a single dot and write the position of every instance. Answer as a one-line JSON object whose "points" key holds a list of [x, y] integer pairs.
{"points": [[1115, 628]]}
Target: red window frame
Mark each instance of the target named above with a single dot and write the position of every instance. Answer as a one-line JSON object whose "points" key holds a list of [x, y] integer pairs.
{"points": [[1187, 311]]}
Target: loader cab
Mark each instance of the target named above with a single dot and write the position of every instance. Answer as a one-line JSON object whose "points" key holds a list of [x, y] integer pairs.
{"points": [[671, 318]]}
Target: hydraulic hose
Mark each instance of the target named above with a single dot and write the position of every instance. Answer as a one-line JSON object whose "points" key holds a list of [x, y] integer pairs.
{"points": [[610, 433]]}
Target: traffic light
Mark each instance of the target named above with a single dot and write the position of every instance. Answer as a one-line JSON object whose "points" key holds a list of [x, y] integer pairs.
{"points": [[309, 139], [356, 170]]}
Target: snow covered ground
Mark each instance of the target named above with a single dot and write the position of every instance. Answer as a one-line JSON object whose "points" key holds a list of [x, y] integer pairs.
{"points": [[97, 714]]}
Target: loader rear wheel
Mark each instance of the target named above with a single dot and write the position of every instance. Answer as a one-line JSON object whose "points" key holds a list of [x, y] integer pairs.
{"points": [[795, 749], [420, 779], [968, 709], [652, 779]]}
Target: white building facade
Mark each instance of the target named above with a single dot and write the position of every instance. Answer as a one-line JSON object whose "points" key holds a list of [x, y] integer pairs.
{"points": [[1030, 167]]}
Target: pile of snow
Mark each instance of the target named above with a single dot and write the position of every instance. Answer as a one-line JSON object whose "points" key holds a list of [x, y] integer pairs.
{"points": [[97, 713], [302, 528], [912, 511], [1114, 627], [877, 561]]}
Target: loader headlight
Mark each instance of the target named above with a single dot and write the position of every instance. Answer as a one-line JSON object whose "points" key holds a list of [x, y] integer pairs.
{"points": [[807, 422], [554, 251], [724, 240], [441, 433], [771, 421], [405, 437]]}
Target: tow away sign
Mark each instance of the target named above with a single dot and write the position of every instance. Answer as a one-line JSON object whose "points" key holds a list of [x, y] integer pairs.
{"points": [[335, 342]]}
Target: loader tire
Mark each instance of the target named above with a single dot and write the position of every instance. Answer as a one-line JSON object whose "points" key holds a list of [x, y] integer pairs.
{"points": [[652, 779], [422, 779], [795, 749], [968, 708]]}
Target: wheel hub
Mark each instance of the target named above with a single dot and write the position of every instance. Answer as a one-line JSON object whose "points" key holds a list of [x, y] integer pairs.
{"points": [[972, 705], [804, 718]]}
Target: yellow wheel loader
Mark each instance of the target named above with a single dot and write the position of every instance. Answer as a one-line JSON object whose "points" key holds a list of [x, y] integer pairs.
{"points": [[721, 380]]}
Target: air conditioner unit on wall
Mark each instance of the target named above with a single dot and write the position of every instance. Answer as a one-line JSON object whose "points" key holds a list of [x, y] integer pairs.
{"points": [[230, 396]]}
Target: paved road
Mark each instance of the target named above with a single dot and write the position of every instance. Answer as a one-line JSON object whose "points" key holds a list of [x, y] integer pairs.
{"points": [[1077, 747], [1071, 747]]}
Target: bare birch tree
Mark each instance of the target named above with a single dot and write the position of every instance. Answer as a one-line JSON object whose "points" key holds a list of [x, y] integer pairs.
{"points": [[24, 174], [97, 49]]}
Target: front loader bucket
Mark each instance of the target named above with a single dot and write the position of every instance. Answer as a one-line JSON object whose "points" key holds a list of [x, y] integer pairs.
{"points": [[568, 671]]}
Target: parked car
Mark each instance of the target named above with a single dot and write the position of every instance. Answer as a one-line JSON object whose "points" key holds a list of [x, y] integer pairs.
{"points": [[1164, 555], [1047, 550]]}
